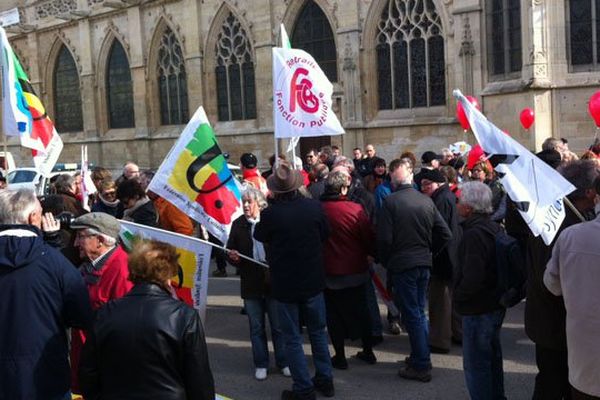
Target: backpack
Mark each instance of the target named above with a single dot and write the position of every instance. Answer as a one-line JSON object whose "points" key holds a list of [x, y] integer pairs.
{"points": [[510, 266]]}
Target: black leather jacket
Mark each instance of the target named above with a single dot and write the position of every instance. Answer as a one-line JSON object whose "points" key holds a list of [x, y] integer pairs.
{"points": [[146, 345]]}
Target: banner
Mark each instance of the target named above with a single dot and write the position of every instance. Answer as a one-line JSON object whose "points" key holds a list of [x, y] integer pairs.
{"points": [[191, 283], [23, 113], [301, 96], [536, 189], [195, 178]]}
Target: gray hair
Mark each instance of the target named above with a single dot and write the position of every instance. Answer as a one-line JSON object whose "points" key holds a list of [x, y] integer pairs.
{"points": [[257, 196], [581, 174], [107, 240], [63, 183], [336, 181], [16, 206], [552, 144], [476, 195], [320, 171], [341, 161]]}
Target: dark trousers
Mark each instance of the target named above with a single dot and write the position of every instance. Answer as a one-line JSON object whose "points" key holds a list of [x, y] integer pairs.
{"points": [[552, 380], [218, 254]]}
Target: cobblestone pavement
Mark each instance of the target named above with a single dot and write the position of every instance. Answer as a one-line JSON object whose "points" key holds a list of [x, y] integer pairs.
{"points": [[227, 335]]}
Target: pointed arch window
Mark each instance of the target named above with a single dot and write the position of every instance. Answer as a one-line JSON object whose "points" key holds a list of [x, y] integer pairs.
{"points": [[172, 82], [584, 34], [410, 56], [119, 88], [312, 33], [67, 95], [236, 97], [504, 38]]}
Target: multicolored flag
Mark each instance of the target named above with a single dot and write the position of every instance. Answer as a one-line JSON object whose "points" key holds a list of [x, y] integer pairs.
{"points": [[536, 189], [23, 113], [195, 178], [191, 283], [301, 95]]}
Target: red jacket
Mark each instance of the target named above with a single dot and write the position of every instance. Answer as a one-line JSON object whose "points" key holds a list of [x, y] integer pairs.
{"points": [[113, 283], [351, 238]]}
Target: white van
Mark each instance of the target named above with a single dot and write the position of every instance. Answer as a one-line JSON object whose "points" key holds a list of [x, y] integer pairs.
{"points": [[30, 178]]}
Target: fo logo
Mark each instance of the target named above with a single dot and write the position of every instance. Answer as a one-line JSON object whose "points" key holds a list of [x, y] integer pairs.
{"points": [[299, 100]]}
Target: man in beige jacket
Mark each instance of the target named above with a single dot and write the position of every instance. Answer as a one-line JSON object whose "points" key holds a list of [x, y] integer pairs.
{"points": [[574, 273]]}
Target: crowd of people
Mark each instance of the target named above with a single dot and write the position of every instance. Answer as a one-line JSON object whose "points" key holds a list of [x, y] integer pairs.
{"points": [[323, 225]]}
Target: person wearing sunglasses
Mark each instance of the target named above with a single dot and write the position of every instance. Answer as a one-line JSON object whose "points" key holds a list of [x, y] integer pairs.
{"points": [[107, 198]]}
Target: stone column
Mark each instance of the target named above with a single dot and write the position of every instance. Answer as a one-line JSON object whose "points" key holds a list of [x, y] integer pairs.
{"points": [[538, 69]]}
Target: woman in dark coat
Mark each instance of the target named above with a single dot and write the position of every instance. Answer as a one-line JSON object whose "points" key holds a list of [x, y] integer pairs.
{"points": [[255, 290], [147, 344], [137, 206], [346, 253]]}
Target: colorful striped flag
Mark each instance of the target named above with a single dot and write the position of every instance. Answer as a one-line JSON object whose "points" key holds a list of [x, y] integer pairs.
{"points": [[23, 113]]}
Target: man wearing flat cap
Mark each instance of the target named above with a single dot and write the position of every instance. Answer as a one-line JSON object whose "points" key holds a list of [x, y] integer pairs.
{"points": [[105, 272], [442, 326], [294, 230], [429, 161]]}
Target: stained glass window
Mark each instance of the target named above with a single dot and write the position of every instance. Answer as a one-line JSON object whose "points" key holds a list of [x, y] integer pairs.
{"points": [[411, 70], [504, 45], [584, 34], [313, 34], [236, 98], [119, 88], [67, 95], [172, 82]]}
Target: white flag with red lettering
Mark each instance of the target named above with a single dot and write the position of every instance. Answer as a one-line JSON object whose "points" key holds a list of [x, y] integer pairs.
{"points": [[301, 96]]}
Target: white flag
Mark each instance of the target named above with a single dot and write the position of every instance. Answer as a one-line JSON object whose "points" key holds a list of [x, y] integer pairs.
{"points": [[535, 188], [301, 96], [194, 260]]}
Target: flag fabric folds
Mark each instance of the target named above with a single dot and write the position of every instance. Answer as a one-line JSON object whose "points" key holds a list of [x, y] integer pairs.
{"points": [[23, 113], [536, 189], [301, 95], [191, 282], [195, 178]]}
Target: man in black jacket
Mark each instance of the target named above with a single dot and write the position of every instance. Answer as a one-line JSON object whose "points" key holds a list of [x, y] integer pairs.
{"points": [[442, 327], [294, 230], [475, 295], [406, 228]]}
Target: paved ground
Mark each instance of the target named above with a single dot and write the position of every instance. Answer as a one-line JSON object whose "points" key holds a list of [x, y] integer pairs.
{"points": [[231, 360]]}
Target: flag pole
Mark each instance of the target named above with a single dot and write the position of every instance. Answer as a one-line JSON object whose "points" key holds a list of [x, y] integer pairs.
{"points": [[574, 209]]}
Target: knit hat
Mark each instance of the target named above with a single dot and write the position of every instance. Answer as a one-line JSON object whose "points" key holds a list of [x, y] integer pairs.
{"points": [[248, 160], [433, 175]]}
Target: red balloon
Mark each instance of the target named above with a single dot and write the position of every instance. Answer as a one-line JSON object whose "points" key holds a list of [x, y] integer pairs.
{"points": [[527, 118], [594, 108], [460, 112]]}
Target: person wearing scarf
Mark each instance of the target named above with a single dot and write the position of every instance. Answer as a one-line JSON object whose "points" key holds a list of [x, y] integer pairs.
{"points": [[377, 177], [136, 205], [107, 201], [255, 287]]}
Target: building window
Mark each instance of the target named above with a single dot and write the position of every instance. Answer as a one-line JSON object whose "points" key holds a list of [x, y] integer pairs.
{"points": [[410, 56], [504, 43], [236, 98], [584, 31], [313, 34], [67, 96], [172, 81], [119, 88]]}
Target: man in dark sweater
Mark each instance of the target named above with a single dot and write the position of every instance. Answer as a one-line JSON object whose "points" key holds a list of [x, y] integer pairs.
{"points": [[294, 230], [475, 295], [406, 227]]}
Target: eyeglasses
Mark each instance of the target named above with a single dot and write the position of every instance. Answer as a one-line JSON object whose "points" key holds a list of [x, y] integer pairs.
{"points": [[111, 194], [309, 156]]}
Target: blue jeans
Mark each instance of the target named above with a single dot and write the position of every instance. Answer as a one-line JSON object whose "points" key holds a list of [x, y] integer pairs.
{"points": [[410, 292], [256, 310], [373, 307], [482, 355], [313, 311]]}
